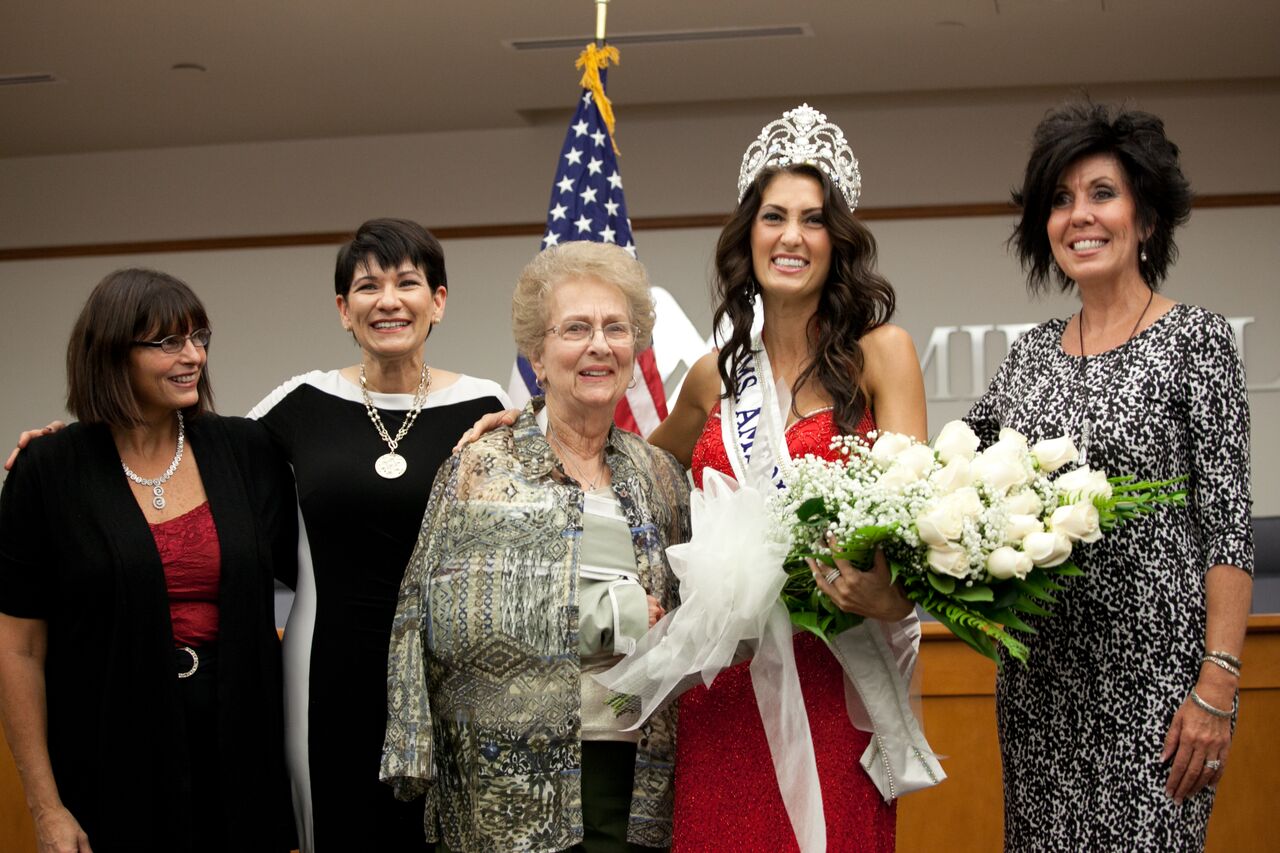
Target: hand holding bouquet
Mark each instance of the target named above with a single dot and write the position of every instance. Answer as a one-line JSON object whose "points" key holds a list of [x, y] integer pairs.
{"points": [[977, 540]]}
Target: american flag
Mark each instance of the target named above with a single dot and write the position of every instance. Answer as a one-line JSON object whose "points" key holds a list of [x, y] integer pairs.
{"points": [[587, 204]]}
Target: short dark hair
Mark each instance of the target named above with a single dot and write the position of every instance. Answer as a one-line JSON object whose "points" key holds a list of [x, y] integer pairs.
{"points": [[128, 305], [390, 242], [1161, 193], [855, 298]]}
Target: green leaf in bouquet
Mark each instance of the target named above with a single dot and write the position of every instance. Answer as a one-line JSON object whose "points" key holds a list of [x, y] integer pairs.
{"points": [[1027, 605], [810, 509], [1006, 594], [944, 585], [808, 621], [1037, 585], [1010, 619], [977, 592], [1066, 570]]}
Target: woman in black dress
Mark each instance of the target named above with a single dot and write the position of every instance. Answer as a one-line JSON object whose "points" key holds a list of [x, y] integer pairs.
{"points": [[139, 663], [365, 442]]}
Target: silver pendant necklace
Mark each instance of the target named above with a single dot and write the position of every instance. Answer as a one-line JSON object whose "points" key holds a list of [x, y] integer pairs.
{"points": [[391, 465], [157, 485], [1086, 423], [591, 485]]}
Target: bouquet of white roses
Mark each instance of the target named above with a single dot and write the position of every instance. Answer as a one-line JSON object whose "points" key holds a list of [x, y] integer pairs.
{"points": [[977, 540]]}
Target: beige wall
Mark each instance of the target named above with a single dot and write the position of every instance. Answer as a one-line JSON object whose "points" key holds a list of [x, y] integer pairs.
{"points": [[273, 308]]}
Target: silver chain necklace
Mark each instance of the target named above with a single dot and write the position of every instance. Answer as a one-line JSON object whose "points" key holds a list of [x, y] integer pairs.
{"points": [[157, 485], [391, 464], [1086, 424], [592, 485]]}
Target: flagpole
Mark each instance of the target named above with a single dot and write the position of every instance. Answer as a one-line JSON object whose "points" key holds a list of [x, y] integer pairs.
{"points": [[602, 13]]}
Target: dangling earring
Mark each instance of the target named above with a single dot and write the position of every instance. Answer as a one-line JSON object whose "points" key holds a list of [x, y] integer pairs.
{"points": [[537, 380], [1142, 253], [633, 382], [749, 292]]}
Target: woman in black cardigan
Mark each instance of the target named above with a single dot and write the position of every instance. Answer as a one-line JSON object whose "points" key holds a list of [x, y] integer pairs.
{"points": [[139, 664]]}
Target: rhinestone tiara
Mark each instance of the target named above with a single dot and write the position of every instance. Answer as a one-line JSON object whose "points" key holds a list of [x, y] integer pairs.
{"points": [[803, 135]]}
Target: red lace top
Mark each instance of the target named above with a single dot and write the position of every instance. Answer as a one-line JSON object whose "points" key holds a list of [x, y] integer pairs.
{"points": [[192, 561]]}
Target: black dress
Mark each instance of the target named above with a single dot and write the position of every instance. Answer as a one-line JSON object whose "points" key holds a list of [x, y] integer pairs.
{"points": [[1082, 725], [76, 552], [358, 533]]}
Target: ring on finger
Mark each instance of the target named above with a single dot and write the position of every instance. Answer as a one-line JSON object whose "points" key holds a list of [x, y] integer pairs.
{"points": [[1213, 764], [832, 576]]}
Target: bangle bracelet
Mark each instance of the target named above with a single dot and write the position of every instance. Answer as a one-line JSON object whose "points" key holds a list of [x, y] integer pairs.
{"points": [[1209, 709], [1221, 663], [1224, 656]]}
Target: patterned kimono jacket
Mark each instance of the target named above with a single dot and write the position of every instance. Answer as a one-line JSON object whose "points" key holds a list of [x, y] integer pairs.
{"points": [[484, 693]]}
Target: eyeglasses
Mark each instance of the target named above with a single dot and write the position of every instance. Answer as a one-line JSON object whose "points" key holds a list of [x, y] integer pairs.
{"points": [[576, 331], [173, 344]]}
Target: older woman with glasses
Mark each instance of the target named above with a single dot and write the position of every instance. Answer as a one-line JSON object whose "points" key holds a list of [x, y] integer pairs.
{"points": [[541, 560], [139, 664]]}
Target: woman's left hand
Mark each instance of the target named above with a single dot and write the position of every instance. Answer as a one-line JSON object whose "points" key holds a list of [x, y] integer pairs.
{"points": [[1196, 737], [656, 610], [868, 593]]}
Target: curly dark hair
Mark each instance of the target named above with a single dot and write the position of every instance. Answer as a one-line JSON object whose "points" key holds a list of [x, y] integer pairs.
{"points": [[1161, 193], [855, 298]]}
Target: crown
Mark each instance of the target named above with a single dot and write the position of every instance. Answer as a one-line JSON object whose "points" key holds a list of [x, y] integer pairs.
{"points": [[803, 135]]}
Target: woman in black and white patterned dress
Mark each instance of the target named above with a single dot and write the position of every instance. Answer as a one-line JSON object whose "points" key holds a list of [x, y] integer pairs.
{"points": [[1116, 732]]}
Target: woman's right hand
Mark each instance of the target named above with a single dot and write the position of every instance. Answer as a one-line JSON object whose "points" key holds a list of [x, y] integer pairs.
{"points": [[487, 423], [57, 831], [25, 439]]}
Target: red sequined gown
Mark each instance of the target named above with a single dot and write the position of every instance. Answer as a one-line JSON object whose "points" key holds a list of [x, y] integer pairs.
{"points": [[727, 796]]}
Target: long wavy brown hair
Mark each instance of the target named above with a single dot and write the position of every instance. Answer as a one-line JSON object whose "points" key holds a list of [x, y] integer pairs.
{"points": [[855, 298]]}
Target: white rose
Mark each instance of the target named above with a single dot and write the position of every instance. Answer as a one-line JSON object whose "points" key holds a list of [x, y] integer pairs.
{"points": [[1052, 453], [940, 524], [1078, 522], [897, 478], [1019, 526], [1084, 484], [1008, 562], [956, 441], [998, 468], [951, 560], [888, 446], [966, 498], [1025, 502], [918, 458], [954, 475], [1014, 439], [1047, 549]]}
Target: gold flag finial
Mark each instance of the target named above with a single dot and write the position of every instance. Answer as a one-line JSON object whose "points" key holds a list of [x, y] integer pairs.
{"points": [[592, 61]]}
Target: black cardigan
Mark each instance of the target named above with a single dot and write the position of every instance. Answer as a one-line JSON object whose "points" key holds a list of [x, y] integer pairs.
{"points": [[76, 551]]}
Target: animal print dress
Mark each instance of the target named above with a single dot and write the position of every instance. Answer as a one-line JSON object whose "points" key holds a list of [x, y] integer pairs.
{"points": [[1082, 725]]}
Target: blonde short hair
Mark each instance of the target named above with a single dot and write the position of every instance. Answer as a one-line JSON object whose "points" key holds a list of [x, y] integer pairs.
{"points": [[605, 262]]}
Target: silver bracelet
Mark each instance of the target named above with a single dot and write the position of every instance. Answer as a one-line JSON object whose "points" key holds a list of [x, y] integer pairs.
{"points": [[1221, 663], [1209, 709], [1225, 657]]}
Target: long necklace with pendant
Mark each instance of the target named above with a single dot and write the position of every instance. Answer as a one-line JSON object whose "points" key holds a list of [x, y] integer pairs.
{"points": [[391, 464], [591, 485], [1086, 423], [157, 485]]}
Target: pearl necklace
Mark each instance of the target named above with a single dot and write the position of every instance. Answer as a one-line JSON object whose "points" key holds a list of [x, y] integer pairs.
{"points": [[391, 464], [157, 485]]}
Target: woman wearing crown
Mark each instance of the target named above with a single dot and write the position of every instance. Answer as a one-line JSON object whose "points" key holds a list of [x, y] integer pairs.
{"points": [[825, 361]]}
